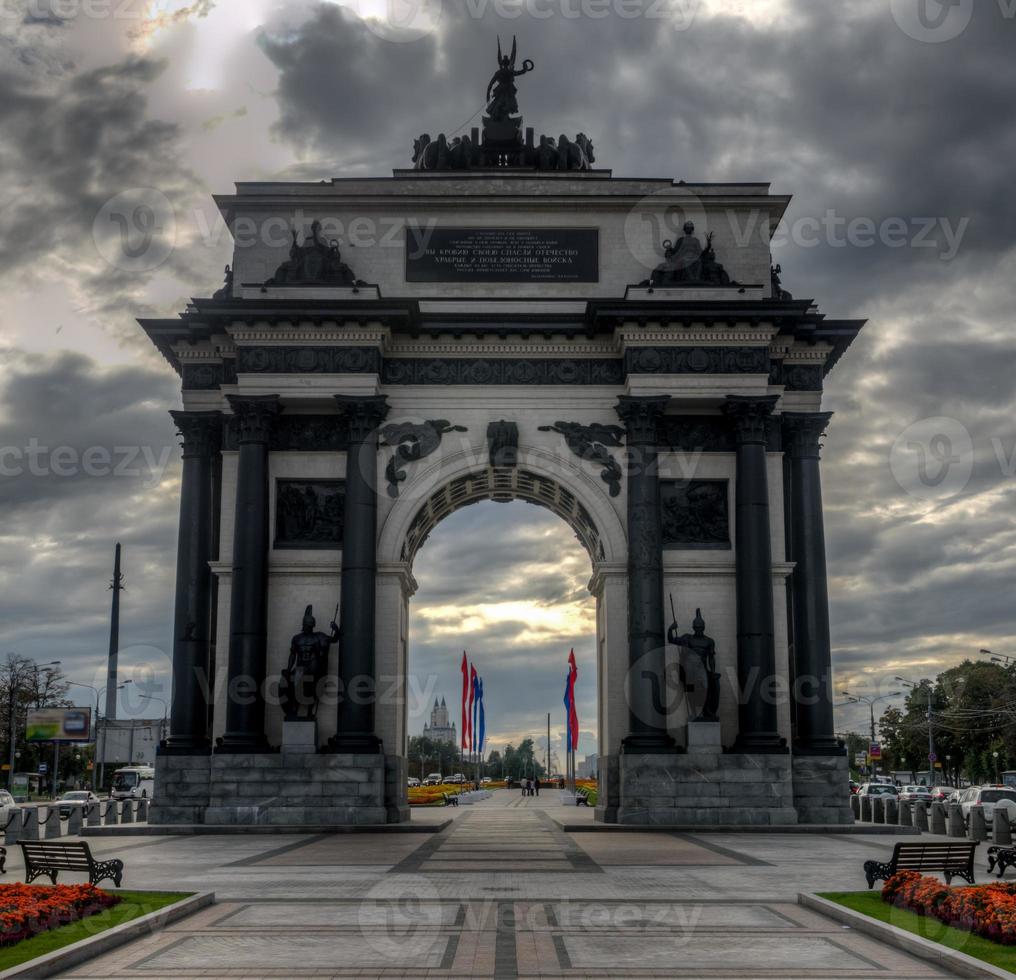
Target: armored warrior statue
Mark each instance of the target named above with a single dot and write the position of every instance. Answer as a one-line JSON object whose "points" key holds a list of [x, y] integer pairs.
{"points": [[308, 660], [705, 648], [504, 102]]}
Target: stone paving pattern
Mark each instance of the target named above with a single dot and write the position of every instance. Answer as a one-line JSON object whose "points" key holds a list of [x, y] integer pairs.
{"points": [[502, 891]]}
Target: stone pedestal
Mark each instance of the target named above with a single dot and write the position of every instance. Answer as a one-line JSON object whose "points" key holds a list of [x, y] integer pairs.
{"points": [[822, 789], [298, 788], [299, 737], [703, 736], [705, 789]]}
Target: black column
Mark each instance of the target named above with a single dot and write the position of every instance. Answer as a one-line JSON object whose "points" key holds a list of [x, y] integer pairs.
{"points": [[357, 677], [646, 646], [812, 647], [192, 622], [756, 646], [245, 706]]}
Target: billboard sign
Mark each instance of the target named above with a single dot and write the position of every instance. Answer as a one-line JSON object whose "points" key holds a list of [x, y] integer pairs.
{"points": [[59, 725], [875, 750]]}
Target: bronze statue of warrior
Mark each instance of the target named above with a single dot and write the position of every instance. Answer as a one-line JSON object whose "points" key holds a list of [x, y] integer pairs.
{"points": [[705, 648], [308, 661], [504, 102]]}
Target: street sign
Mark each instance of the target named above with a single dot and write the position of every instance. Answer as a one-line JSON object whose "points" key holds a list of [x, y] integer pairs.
{"points": [[932, 757], [875, 751], [43, 768], [860, 758]]}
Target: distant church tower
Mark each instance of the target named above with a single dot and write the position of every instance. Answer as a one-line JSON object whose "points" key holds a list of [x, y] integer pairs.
{"points": [[439, 730]]}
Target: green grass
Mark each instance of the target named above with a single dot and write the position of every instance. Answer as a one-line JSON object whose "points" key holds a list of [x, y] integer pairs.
{"points": [[871, 904], [133, 906]]}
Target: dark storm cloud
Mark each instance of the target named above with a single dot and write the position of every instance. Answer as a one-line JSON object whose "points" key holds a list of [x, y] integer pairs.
{"points": [[61, 522], [71, 430]]}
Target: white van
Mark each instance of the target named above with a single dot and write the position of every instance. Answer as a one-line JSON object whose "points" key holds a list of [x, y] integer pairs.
{"points": [[133, 783]]}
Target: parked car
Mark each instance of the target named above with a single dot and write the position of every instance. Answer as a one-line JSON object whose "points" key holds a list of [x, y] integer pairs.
{"points": [[7, 804], [941, 794], [433, 779], [878, 789], [988, 797], [75, 796], [916, 794], [413, 782], [456, 778]]}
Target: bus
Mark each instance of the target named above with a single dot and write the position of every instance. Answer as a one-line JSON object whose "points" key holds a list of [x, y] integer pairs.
{"points": [[133, 783]]}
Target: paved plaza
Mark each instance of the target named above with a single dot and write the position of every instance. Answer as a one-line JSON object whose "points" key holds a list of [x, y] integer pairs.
{"points": [[502, 891]]}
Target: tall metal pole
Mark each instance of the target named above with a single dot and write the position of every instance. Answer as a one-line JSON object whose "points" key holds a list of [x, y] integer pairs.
{"points": [[548, 745], [56, 764], [114, 637]]}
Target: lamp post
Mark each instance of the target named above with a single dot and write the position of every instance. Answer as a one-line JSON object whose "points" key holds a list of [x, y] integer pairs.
{"points": [[931, 729], [1000, 658], [994, 755], [871, 701], [165, 712], [95, 691]]}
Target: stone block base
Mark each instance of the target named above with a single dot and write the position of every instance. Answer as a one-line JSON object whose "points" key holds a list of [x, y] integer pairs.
{"points": [[822, 789], [705, 789], [285, 788]]}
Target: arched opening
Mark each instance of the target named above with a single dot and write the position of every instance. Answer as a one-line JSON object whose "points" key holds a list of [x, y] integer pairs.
{"points": [[509, 585]]}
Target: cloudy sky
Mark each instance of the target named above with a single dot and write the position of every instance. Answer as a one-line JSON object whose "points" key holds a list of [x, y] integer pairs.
{"points": [[892, 123]]}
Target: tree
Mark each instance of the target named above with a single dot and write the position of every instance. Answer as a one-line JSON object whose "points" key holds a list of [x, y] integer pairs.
{"points": [[25, 685]]}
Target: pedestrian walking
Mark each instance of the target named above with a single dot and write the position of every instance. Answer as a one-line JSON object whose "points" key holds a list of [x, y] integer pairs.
{"points": [[536, 785]]}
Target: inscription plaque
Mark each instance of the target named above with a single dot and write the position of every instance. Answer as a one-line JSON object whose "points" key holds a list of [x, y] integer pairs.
{"points": [[502, 255]]}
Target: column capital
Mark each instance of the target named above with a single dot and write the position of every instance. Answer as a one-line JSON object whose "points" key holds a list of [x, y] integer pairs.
{"points": [[362, 413], [640, 414], [803, 430], [750, 415], [255, 414], [201, 432]]}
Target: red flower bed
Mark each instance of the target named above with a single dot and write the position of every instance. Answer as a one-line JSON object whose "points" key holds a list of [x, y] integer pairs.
{"points": [[986, 910], [26, 910]]}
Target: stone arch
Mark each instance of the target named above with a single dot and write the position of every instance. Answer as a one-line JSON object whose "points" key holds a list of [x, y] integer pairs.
{"points": [[458, 481]]}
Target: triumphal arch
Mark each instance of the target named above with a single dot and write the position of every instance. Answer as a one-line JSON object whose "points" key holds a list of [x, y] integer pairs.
{"points": [[503, 319]]}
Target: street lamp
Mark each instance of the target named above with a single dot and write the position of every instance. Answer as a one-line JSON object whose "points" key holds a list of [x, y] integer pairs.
{"points": [[165, 712], [995, 757], [999, 658], [871, 701], [95, 691]]}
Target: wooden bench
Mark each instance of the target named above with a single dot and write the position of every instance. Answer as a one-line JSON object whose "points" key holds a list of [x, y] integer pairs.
{"points": [[952, 859], [44, 857], [450, 800], [1004, 857], [581, 797]]}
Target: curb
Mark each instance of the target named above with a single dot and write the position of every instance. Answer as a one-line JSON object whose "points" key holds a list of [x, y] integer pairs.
{"points": [[960, 964], [189, 830], [77, 953], [862, 830]]}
